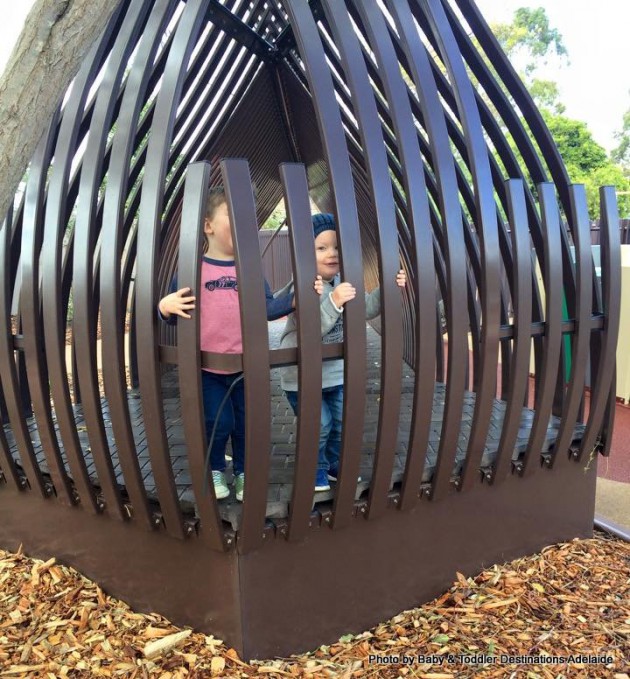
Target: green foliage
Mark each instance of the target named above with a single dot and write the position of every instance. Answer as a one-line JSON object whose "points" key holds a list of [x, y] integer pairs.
{"points": [[575, 142], [530, 36], [529, 41], [546, 95], [587, 162], [621, 153], [276, 217], [607, 175]]}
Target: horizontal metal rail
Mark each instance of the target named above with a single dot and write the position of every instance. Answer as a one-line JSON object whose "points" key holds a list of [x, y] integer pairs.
{"points": [[612, 528]]}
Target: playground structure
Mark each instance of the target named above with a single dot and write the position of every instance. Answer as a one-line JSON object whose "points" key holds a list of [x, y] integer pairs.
{"points": [[430, 153]]}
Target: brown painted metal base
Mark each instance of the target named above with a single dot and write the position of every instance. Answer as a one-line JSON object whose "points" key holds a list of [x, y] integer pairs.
{"points": [[289, 597]]}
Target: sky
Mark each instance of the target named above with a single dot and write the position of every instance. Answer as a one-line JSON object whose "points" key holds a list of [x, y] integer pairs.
{"points": [[594, 86], [13, 17]]}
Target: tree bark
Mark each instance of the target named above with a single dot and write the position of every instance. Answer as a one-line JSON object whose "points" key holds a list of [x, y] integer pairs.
{"points": [[55, 39]]}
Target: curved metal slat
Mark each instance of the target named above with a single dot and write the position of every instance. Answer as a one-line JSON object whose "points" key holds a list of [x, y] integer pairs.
{"points": [[251, 294], [85, 305], [424, 269], [148, 235], [113, 296], [486, 228], [611, 301], [504, 151], [522, 98], [609, 418], [188, 356], [536, 124], [309, 345], [333, 140], [494, 92], [552, 279], [8, 470], [582, 316], [454, 254], [383, 200], [522, 303], [467, 196], [31, 312], [25, 448], [523, 139], [8, 369], [54, 272]]}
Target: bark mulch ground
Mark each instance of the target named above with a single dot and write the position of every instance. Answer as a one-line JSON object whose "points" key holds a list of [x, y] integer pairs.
{"points": [[571, 602]]}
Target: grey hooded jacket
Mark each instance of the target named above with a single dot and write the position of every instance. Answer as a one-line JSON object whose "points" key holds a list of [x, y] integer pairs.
{"points": [[332, 331]]}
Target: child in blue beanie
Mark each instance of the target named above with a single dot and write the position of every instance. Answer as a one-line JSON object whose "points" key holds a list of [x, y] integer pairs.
{"points": [[334, 294]]}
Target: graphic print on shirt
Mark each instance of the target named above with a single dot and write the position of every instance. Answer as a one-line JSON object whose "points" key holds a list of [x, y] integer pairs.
{"points": [[335, 334], [222, 283]]}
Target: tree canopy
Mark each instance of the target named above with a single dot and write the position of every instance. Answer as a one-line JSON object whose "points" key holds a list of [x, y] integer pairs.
{"points": [[580, 152], [621, 153], [529, 35], [530, 40]]}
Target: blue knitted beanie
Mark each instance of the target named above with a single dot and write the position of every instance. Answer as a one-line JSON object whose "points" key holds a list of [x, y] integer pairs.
{"points": [[322, 222]]}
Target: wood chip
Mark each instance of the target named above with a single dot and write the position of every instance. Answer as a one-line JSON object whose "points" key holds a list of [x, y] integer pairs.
{"points": [[165, 644], [217, 665], [573, 598]]}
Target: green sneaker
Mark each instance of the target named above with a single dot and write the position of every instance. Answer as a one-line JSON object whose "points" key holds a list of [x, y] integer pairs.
{"points": [[221, 489], [239, 486]]}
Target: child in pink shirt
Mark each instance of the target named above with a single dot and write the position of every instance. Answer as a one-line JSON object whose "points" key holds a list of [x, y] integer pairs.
{"points": [[220, 327]]}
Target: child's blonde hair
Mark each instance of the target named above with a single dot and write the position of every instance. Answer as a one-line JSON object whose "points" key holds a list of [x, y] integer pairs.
{"points": [[216, 197]]}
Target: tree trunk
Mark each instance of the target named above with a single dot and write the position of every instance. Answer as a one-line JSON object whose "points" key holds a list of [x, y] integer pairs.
{"points": [[55, 39]]}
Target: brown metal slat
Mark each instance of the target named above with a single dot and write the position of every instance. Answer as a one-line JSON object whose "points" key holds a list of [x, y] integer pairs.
{"points": [[188, 356], [520, 94], [251, 293], [552, 280], [491, 86], [509, 115], [8, 468], [8, 369], [389, 261], [85, 305], [297, 203], [609, 418], [582, 334], [184, 42], [113, 298], [31, 312], [538, 130], [486, 228], [601, 393], [454, 254], [522, 305], [53, 270], [340, 173]]}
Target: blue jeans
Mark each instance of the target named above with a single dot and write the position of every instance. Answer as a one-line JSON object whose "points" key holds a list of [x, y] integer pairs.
{"points": [[231, 422], [329, 425]]}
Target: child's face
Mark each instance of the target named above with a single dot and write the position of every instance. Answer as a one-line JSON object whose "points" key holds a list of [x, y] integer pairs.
{"points": [[218, 233], [326, 254]]}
